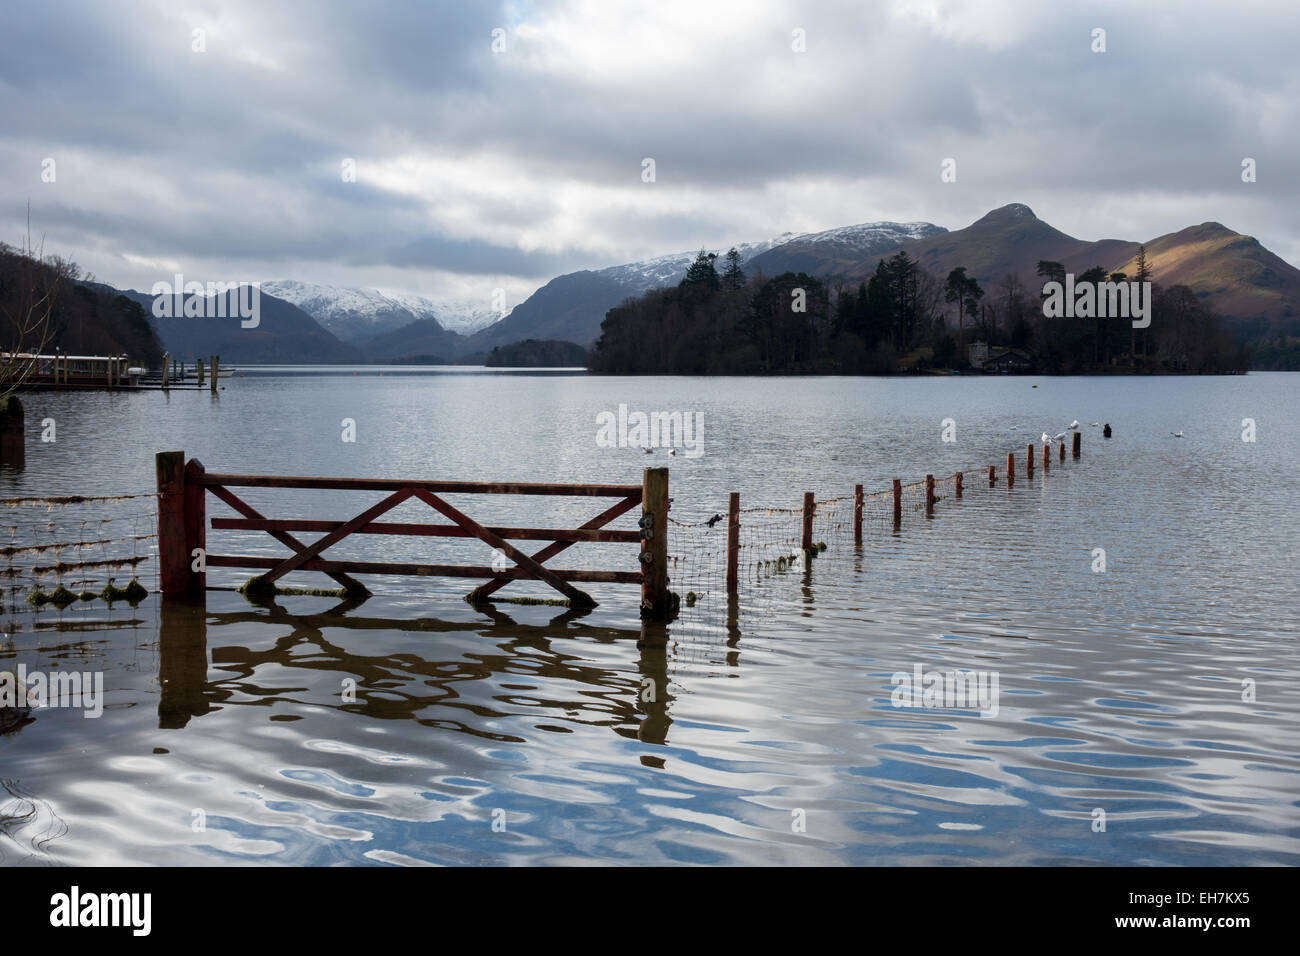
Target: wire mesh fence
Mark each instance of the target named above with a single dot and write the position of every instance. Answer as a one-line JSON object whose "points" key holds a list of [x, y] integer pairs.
{"points": [[65, 549], [61, 550], [770, 541]]}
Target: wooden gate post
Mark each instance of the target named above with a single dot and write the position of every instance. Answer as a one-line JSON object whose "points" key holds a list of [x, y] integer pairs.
{"points": [[733, 542], [196, 533], [1029, 460], [857, 516], [1011, 468], [929, 495], [1078, 443], [809, 506], [898, 502], [173, 560], [655, 596]]}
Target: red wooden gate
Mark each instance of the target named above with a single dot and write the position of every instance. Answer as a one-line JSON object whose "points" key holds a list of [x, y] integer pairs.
{"points": [[182, 532]]}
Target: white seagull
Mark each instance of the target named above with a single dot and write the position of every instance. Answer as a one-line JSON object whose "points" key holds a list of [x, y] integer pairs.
{"points": [[1045, 439], [1177, 434], [1073, 426], [672, 451]]}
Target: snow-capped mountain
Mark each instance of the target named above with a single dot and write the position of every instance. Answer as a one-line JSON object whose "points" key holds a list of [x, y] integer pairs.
{"points": [[464, 316], [840, 251], [669, 270], [571, 307], [353, 314]]}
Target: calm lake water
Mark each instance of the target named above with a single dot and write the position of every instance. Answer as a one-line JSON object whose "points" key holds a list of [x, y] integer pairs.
{"points": [[1161, 696]]}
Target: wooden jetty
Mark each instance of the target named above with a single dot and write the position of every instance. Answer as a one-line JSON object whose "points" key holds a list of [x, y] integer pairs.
{"points": [[60, 371]]}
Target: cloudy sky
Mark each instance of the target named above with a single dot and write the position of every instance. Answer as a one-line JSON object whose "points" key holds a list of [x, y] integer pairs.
{"points": [[478, 168]]}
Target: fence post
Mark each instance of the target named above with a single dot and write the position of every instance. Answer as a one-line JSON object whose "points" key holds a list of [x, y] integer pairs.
{"points": [[993, 475], [808, 507], [929, 495], [1011, 468], [898, 502], [173, 560], [196, 532], [857, 516], [215, 362], [655, 597], [198, 367], [1047, 458], [733, 542], [956, 484], [1078, 443], [1062, 451], [1029, 460]]}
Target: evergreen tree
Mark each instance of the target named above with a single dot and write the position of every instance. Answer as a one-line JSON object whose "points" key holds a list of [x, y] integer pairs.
{"points": [[702, 274], [733, 277]]}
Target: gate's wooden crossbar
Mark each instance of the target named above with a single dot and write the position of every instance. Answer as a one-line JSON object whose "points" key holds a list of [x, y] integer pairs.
{"points": [[431, 530], [337, 535], [557, 546], [423, 570], [286, 539], [579, 598], [437, 487]]}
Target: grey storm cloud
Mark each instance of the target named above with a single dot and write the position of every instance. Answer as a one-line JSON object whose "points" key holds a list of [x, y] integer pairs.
{"points": [[527, 163]]}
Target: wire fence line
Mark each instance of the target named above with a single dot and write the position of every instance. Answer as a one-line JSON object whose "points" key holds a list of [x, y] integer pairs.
{"points": [[59, 550], [770, 542], [85, 547]]}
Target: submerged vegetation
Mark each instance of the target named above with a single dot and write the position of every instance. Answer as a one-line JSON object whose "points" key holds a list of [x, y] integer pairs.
{"points": [[61, 597]]}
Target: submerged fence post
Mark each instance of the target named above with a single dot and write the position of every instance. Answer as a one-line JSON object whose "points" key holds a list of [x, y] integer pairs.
{"points": [[655, 597], [1011, 468], [993, 475], [956, 479], [1078, 443], [1029, 460], [1047, 458], [196, 534], [857, 516], [173, 562], [198, 368], [898, 502], [215, 362], [929, 495], [1062, 451], [808, 507], [733, 542]]}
